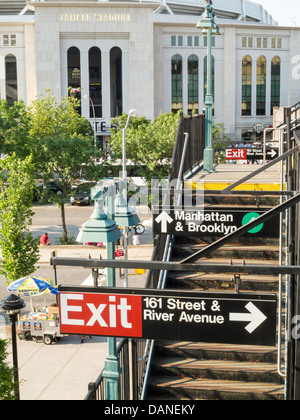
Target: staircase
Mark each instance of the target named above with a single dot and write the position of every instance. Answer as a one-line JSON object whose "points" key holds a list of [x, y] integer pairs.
{"points": [[205, 371]]}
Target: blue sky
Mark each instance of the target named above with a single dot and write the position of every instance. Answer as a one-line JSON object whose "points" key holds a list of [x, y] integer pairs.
{"points": [[282, 11]]}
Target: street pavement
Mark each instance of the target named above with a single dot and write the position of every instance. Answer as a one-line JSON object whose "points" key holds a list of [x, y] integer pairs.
{"points": [[63, 370]]}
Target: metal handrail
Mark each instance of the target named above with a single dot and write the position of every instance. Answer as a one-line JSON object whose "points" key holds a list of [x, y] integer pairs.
{"points": [[262, 169], [244, 229]]}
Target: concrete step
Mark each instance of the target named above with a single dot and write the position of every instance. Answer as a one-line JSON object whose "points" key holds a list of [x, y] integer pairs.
{"points": [[216, 369], [211, 351], [221, 282], [261, 252], [208, 389]]}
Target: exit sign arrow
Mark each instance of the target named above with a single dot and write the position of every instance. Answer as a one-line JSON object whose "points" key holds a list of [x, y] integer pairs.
{"points": [[164, 219], [255, 317]]}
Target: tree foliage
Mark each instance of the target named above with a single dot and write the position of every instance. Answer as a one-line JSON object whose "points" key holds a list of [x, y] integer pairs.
{"points": [[7, 386], [148, 143], [50, 117], [64, 156], [20, 251], [14, 129]]}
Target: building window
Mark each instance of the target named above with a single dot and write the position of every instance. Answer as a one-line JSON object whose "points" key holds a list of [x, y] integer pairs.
{"points": [[279, 43], [5, 40], [116, 84], [250, 42], [11, 78], [273, 43], [180, 41], [196, 41], [244, 42], [95, 82], [74, 74], [193, 84], [9, 40], [261, 84], [258, 43], [246, 85], [189, 41], [265, 42], [173, 41], [176, 71], [13, 40], [275, 83]]}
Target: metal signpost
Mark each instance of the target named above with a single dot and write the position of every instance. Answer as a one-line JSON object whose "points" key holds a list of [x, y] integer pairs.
{"points": [[243, 318]]}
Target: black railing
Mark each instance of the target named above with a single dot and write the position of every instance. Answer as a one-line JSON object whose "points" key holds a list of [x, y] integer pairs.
{"points": [[134, 360], [141, 351]]}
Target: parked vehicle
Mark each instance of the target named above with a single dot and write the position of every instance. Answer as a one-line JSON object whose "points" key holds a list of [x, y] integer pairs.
{"points": [[52, 187], [82, 194]]}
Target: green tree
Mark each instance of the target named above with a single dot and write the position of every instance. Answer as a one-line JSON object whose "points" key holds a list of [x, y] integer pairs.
{"points": [[64, 156], [220, 141], [51, 117], [20, 251], [14, 129], [62, 146], [148, 143], [7, 386]]}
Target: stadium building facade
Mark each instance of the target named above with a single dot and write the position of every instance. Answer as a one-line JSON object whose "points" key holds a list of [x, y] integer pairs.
{"points": [[150, 56]]}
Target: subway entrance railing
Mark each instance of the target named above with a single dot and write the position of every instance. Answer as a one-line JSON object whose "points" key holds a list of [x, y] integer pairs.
{"points": [[136, 355]]}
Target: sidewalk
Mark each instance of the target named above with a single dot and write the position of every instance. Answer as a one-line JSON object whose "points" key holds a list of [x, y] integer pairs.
{"points": [[63, 370]]}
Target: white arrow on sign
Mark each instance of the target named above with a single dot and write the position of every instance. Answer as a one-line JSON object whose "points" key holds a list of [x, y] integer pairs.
{"points": [[272, 153], [255, 317], [164, 219]]}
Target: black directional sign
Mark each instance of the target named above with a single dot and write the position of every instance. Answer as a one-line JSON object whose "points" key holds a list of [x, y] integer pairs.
{"points": [[206, 222], [258, 154], [244, 318], [252, 154]]}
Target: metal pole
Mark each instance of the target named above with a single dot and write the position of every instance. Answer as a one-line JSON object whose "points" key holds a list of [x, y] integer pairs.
{"points": [[124, 192], [111, 371], [94, 117], [208, 152], [13, 319]]}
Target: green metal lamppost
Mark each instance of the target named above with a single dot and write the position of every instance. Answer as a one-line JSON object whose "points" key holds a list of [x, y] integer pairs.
{"points": [[208, 26], [102, 228], [12, 305]]}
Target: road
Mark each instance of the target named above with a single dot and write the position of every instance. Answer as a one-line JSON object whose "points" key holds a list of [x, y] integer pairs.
{"points": [[62, 371], [47, 218]]}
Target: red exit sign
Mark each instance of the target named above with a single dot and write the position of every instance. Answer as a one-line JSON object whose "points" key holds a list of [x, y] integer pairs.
{"points": [[236, 154], [101, 314], [169, 315], [119, 253]]}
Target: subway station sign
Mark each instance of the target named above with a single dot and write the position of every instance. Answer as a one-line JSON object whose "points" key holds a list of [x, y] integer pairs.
{"points": [[252, 154], [212, 222], [245, 318]]}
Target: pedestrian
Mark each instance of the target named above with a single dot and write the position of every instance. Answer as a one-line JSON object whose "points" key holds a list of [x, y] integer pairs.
{"points": [[45, 240], [83, 338]]}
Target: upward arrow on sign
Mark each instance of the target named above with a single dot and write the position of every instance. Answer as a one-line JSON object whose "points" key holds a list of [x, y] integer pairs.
{"points": [[164, 219]]}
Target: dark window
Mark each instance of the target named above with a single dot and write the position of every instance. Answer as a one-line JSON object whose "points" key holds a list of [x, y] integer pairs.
{"points": [[11, 78], [95, 82]]}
